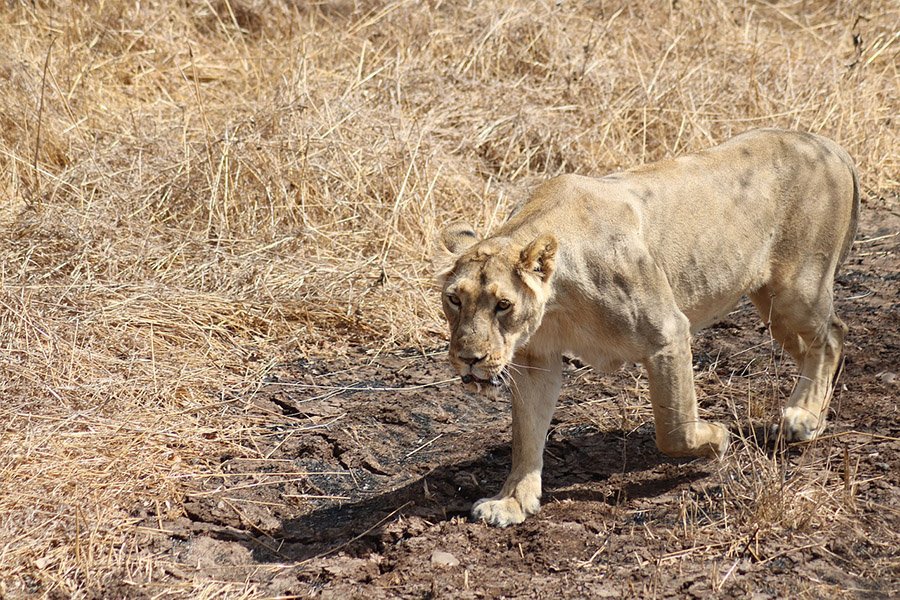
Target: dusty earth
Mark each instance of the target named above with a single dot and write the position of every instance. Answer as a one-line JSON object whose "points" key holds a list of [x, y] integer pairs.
{"points": [[373, 461]]}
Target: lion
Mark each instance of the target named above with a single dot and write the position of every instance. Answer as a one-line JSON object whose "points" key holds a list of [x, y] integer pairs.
{"points": [[624, 268]]}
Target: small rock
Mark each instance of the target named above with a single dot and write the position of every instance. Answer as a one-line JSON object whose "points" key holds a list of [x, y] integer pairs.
{"points": [[443, 559], [889, 377]]}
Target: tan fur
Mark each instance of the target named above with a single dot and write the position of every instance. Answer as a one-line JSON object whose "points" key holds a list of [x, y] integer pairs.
{"points": [[627, 266]]}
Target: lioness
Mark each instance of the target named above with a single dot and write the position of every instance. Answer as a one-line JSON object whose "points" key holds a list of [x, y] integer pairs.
{"points": [[627, 266]]}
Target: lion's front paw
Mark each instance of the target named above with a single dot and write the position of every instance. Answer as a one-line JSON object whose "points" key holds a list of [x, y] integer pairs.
{"points": [[798, 424], [504, 511]]}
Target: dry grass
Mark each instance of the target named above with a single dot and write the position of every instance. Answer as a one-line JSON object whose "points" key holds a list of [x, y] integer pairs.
{"points": [[195, 190]]}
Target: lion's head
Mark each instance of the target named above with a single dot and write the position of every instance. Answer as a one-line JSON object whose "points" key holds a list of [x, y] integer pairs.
{"points": [[493, 292]]}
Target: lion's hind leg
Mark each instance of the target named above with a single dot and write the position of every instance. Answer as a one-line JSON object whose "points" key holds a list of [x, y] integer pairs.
{"points": [[804, 322]]}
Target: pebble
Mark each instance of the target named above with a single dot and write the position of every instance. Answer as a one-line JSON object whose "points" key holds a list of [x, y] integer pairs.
{"points": [[443, 559]]}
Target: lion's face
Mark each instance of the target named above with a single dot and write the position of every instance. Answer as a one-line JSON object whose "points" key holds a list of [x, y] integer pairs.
{"points": [[493, 295]]}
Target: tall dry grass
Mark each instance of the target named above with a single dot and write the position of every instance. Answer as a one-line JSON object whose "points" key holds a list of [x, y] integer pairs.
{"points": [[195, 190]]}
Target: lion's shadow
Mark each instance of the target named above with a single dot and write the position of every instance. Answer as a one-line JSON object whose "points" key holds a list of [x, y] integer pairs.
{"points": [[445, 492]]}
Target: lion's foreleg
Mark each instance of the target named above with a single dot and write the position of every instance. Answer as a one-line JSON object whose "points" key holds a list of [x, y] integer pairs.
{"points": [[679, 430], [535, 390]]}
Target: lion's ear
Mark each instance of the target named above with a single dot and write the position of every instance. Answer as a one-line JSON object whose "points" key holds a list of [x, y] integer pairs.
{"points": [[457, 238], [453, 241], [539, 258]]}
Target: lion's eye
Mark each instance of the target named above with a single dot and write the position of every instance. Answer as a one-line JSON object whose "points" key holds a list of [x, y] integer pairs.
{"points": [[503, 305], [453, 299]]}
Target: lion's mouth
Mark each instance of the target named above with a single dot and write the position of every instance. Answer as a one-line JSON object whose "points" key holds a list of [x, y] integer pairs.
{"points": [[494, 381]]}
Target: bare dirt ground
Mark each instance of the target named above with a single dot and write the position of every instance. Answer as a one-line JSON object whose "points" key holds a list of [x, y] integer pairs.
{"points": [[372, 467]]}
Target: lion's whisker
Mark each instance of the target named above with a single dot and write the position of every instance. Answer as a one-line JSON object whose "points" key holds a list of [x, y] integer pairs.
{"points": [[528, 367]]}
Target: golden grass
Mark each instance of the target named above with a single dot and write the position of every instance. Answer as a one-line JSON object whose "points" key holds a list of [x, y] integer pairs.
{"points": [[193, 191]]}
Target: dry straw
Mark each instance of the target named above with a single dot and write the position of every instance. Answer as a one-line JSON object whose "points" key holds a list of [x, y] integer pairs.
{"points": [[193, 191]]}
